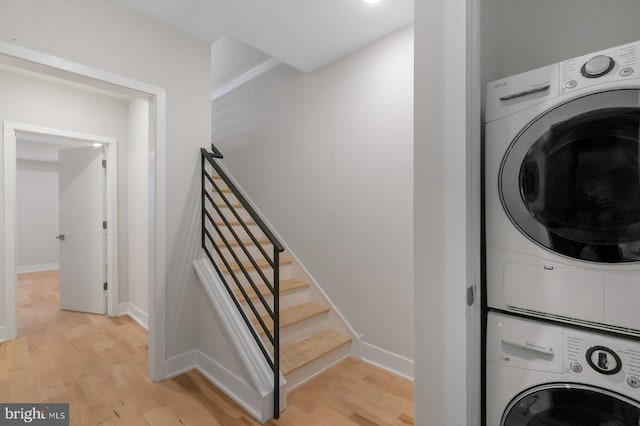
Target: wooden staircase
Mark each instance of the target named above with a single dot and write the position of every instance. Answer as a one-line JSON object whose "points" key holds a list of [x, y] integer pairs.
{"points": [[312, 336]]}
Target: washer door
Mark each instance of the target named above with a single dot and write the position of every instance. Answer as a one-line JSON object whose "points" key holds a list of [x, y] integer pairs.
{"points": [[570, 181], [562, 404]]}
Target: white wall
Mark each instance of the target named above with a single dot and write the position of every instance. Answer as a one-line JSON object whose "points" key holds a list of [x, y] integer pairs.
{"points": [[109, 37], [29, 100], [444, 179], [521, 35], [37, 196], [138, 204], [327, 158]]}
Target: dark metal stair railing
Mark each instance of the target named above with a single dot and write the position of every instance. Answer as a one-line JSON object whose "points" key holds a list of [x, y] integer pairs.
{"points": [[209, 207]]}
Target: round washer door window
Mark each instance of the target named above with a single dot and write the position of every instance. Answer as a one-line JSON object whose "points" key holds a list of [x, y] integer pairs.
{"points": [[570, 181], [571, 405]]}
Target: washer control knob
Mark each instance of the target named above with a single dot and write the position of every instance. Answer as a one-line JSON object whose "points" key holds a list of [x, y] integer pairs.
{"points": [[571, 84], [633, 381], [604, 360], [576, 367], [597, 66]]}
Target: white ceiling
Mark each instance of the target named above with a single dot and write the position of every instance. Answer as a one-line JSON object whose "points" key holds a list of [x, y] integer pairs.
{"points": [[230, 58], [305, 34], [39, 147]]}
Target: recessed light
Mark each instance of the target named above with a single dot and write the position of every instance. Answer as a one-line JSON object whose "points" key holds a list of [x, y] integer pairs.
{"points": [[371, 1], [97, 145]]}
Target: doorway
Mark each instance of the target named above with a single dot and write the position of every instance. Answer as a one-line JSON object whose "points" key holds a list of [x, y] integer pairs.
{"points": [[154, 216], [89, 256]]}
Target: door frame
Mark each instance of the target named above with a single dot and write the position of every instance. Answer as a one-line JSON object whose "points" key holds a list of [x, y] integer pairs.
{"points": [[49, 65], [10, 131]]}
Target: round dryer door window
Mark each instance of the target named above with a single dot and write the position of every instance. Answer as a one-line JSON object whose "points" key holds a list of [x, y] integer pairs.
{"points": [[570, 180], [571, 405]]}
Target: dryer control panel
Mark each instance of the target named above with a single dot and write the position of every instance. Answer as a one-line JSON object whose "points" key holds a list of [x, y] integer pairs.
{"points": [[566, 354], [618, 66], [599, 357], [618, 63]]}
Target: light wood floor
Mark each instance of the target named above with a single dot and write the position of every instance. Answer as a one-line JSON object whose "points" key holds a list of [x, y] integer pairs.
{"points": [[98, 364]]}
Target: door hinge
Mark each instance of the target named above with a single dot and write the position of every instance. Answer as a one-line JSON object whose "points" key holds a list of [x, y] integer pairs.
{"points": [[104, 225], [471, 295], [106, 286], [104, 164]]}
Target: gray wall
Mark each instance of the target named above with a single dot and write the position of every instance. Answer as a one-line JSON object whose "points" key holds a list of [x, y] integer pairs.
{"points": [[520, 35], [327, 157], [37, 197]]}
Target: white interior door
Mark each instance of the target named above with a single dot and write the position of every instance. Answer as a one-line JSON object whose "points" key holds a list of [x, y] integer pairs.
{"points": [[82, 196]]}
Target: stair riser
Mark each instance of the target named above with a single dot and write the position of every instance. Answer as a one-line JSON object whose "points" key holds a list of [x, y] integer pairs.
{"points": [[300, 330], [239, 230], [228, 214], [304, 374], [218, 199], [287, 300], [252, 249], [285, 273]]}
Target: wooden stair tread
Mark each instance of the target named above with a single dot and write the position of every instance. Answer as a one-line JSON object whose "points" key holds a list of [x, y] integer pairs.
{"points": [[234, 223], [224, 205], [292, 315], [223, 190], [285, 286], [249, 266], [234, 243], [301, 353]]}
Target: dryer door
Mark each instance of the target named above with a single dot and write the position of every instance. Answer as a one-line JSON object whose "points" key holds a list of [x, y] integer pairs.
{"points": [[564, 404], [570, 180]]}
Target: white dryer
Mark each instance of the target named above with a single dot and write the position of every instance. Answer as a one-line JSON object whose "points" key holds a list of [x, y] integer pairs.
{"points": [[544, 375], [562, 191]]}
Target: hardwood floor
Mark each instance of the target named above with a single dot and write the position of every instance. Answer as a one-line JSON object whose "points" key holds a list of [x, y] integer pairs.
{"points": [[98, 364]]}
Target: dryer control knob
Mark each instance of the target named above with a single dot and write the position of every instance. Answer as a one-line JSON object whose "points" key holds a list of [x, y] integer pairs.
{"points": [[597, 66], [576, 367]]}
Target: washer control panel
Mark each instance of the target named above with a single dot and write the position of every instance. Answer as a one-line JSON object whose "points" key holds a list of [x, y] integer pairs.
{"points": [[611, 360], [618, 63]]}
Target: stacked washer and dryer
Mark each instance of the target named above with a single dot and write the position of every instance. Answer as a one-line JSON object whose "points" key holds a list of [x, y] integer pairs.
{"points": [[562, 221]]}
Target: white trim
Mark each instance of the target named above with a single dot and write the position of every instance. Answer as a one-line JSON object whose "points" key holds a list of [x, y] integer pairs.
{"points": [[356, 339], [393, 363], [254, 72], [235, 388], [157, 239], [157, 172], [137, 314], [474, 213], [25, 269], [180, 364], [10, 223], [10, 215], [3, 337]]}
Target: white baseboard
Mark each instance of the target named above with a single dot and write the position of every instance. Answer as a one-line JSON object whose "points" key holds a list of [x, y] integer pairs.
{"points": [[180, 364], [386, 360], [38, 268], [234, 387], [137, 314]]}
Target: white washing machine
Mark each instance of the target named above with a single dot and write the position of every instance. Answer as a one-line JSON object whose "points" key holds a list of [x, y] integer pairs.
{"points": [[562, 191], [546, 375]]}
